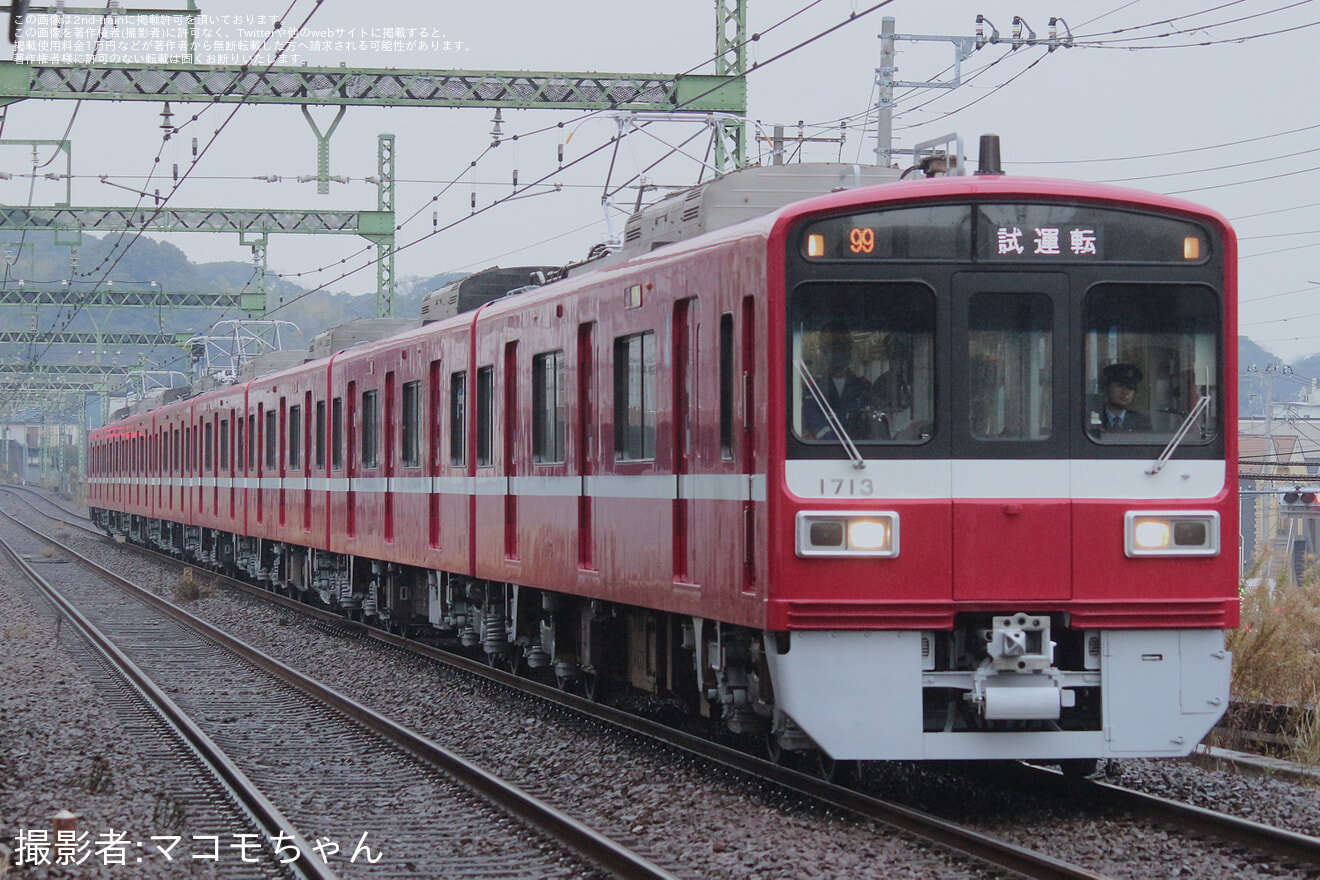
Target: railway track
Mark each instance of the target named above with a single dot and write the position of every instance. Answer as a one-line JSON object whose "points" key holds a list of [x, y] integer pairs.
{"points": [[1185, 818], [338, 770], [983, 848], [213, 791]]}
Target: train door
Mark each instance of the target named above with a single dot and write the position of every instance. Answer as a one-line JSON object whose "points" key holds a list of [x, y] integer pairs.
{"points": [[391, 452], [305, 427], [212, 461], [282, 450], [227, 455], [352, 463], [585, 450], [510, 450], [1010, 446], [684, 374], [435, 453]]}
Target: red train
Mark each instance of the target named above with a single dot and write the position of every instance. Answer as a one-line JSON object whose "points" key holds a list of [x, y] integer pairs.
{"points": [[936, 469]]}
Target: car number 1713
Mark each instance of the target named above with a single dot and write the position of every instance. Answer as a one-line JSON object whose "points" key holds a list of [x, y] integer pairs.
{"points": [[840, 487]]}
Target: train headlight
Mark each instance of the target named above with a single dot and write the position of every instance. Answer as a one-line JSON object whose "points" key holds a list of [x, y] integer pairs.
{"points": [[1171, 533], [847, 533]]}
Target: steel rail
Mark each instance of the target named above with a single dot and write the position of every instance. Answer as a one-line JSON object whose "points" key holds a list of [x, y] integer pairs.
{"points": [[1257, 835], [265, 816], [577, 836], [1277, 841], [948, 835]]}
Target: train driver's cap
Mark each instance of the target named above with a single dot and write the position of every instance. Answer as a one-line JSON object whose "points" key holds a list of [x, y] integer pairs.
{"points": [[1123, 374]]}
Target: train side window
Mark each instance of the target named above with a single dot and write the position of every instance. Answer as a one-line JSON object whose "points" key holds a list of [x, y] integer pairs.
{"points": [[252, 444], [436, 409], [295, 436], [410, 426], [224, 443], [319, 442], [485, 415], [548, 408], [272, 440], [370, 429], [635, 397], [726, 386], [208, 447], [458, 418], [337, 433]]}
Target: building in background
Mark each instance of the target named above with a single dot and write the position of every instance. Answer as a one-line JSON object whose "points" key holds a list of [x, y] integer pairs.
{"points": [[1279, 467]]}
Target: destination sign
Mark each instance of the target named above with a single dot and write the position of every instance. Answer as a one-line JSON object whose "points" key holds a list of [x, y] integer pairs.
{"points": [[999, 233]]}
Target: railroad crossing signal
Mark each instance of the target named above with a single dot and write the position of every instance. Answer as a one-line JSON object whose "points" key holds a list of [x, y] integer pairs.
{"points": [[1300, 499]]}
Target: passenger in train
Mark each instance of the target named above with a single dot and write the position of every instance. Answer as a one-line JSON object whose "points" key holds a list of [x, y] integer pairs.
{"points": [[1120, 388]]}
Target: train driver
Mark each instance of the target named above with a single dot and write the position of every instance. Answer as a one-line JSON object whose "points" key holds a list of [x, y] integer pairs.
{"points": [[848, 393], [1120, 387]]}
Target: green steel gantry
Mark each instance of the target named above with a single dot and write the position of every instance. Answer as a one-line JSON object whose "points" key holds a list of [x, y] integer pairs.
{"points": [[723, 97]]}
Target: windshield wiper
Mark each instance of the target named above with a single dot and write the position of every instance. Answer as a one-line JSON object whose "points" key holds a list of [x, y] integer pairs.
{"points": [[1179, 435], [831, 418]]}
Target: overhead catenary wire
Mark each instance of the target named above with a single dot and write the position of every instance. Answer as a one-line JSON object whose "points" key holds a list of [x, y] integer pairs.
{"points": [[77, 308]]}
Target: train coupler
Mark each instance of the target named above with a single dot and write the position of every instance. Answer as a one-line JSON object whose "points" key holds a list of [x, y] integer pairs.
{"points": [[1017, 681]]}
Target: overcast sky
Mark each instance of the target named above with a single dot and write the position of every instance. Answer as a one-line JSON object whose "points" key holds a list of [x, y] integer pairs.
{"points": [[1211, 101]]}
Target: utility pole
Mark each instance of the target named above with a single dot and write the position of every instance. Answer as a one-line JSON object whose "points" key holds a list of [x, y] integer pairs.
{"points": [[963, 47]]}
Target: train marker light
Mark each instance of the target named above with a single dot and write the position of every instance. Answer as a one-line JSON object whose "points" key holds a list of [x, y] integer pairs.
{"points": [[815, 245], [847, 533], [1191, 248], [1171, 533]]}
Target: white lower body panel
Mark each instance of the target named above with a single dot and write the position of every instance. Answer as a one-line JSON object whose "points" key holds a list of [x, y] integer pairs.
{"points": [[859, 696]]}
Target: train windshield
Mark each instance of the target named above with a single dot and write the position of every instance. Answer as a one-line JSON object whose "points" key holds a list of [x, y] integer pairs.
{"points": [[1046, 331], [865, 358], [1151, 356]]}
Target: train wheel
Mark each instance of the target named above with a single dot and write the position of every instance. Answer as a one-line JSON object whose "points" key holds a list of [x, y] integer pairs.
{"points": [[773, 752], [834, 771], [594, 686]]}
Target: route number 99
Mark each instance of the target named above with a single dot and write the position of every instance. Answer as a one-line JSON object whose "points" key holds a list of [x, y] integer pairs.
{"points": [[861, 241]]}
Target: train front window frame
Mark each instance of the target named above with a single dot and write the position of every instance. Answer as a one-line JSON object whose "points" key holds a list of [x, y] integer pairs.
{"points": [[869, 349], [1153, 350]]}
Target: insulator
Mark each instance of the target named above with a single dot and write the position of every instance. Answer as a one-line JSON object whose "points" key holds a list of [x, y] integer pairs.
{"points": [[561, 154], [176, 172], [474, 200], [515, 178]]}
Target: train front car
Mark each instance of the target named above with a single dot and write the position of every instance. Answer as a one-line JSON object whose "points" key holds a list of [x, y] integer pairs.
{"points": [[1006, 521]]}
